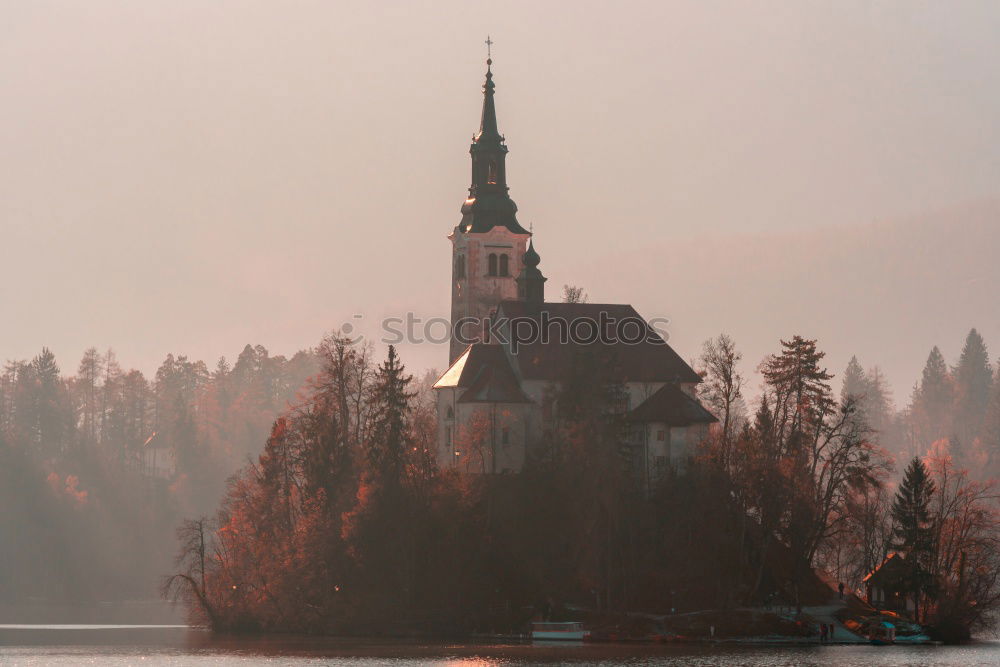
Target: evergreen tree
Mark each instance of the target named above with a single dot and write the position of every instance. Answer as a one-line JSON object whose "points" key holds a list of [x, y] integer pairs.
{"points": [[389, 433], [913, 530], [855, 381], [854, 390], [878, 404], [933, 401], [973, 381], [800, 391], [51, 412]]}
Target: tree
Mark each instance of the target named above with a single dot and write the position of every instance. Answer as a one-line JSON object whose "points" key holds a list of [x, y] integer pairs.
{"points": [[88, 377], [855, 382], [878, 404], [811, 455], [933, 401], [574, 294], [193, 559], [799, 389], [722, 389], [388, 445], [973, 382], [49, 411], [913, 528], [966, 550]]}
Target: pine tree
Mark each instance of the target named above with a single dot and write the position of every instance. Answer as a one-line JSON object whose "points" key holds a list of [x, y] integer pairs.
{"points": [[855, 381], [911, 510], [854, 390], [800, 389], [933, 401], [973, 381], [51, 413], [878, 403], [389, 435], [913, 530]]}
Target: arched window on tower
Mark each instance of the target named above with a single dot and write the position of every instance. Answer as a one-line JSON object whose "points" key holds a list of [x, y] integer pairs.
{"points": [[491, 173], [492, 264], [460, 266], [504, 266]]}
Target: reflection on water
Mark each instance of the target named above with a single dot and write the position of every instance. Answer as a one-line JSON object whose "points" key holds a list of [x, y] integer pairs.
{"points": [[177, 646]]}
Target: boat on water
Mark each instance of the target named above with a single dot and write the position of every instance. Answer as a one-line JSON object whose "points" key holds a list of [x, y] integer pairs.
{"points": [[571, 631], [883, 634]]}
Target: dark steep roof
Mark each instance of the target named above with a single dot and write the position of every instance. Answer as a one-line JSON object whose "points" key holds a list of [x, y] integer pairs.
{"points": [[485, 374], [672, 406], [651, 360], [891, 571]]}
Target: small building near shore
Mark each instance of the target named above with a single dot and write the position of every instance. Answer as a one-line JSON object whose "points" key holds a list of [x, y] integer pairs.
{"points": [[890, 585]]}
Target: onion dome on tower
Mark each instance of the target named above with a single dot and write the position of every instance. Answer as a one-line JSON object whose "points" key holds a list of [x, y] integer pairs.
{"points": [[531, 282]]}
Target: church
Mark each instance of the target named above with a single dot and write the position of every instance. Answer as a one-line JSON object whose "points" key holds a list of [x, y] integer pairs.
{"points": [[510, 348]]}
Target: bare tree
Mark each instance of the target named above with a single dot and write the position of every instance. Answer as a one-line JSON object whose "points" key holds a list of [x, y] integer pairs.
{"points": [[189, 584], [574, 294], [722, 389]]}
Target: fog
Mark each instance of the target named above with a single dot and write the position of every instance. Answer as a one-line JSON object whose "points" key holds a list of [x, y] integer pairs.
{"points": [[190, 177], [239, 179]]}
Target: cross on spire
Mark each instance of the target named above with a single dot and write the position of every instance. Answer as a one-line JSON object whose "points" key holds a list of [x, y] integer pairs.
{"points": [[489, 48]]}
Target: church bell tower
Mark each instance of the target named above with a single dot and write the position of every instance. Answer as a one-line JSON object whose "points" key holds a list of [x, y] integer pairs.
{"points": [[488, 245]]}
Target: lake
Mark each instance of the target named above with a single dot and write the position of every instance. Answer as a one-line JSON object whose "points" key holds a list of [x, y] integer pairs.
{"points": [[178, 646]]}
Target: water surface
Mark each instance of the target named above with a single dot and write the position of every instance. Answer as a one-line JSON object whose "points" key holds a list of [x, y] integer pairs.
{"points": [[178, 646]]}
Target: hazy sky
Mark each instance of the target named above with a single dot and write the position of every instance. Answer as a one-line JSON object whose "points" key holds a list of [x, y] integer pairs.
{"points": [[189, 177]]}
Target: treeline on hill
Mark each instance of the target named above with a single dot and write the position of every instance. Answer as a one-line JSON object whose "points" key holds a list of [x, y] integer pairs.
{"points": [[83, 515]]}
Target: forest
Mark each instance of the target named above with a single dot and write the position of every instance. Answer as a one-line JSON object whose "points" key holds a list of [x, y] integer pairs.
{"points": [[305, 495], [83, 517]]}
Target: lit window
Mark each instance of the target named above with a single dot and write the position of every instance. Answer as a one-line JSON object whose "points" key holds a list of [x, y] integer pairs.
{"points": [[504, 265], [492, 264]]}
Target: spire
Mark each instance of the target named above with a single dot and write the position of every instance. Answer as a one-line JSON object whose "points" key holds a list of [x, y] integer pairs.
{"points": [[488, 132], [488, 204]]}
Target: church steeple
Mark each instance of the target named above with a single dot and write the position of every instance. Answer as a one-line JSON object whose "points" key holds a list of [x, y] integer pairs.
{"points": [[489, 245], [488, 204], [488, 132]]}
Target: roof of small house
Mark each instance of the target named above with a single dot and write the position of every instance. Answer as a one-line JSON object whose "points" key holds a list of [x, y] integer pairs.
{"points": [[891, 570], [484, 372], [650, 360], [672, 406]]}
